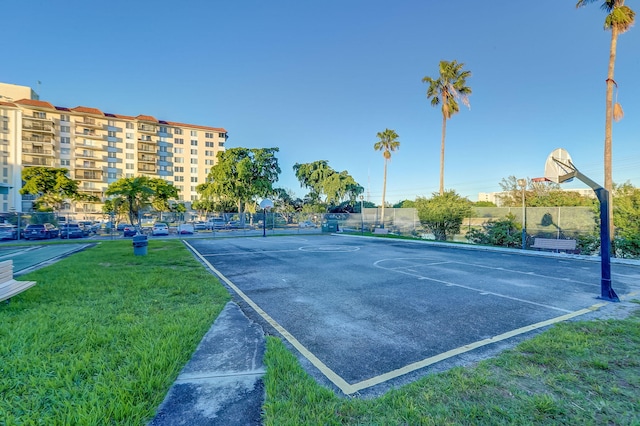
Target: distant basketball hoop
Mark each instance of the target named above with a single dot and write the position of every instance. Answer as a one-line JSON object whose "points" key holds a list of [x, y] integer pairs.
{"points": [[265, 205]]}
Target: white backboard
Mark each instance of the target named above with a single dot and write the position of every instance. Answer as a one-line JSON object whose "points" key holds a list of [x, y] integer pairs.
{"points": [[555, 170]]}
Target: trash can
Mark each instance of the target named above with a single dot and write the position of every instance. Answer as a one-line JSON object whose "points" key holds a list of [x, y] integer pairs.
{"points": [[140, 244]]}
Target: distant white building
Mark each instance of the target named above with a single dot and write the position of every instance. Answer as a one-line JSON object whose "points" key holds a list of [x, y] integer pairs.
{"points": [[495, 197]]}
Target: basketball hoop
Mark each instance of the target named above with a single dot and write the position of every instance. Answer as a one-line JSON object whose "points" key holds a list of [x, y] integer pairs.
{"points": [[559, 167]]}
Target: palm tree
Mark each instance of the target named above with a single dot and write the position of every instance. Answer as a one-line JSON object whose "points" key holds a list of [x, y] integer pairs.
{"points": [[388, 143], [446, 90], [619, 19]]}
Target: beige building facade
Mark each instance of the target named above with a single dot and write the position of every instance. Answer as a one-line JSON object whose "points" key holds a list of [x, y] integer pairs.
{"points": [[98, 148]]}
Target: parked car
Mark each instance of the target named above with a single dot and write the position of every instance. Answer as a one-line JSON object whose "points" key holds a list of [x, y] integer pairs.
{"points": [[218, 224], [234, 224], [40, 231], [185, 229], [121, 226], [307, 224], [160, 229], [8, 231], [201, 226], [129, 231], [71, 230]]}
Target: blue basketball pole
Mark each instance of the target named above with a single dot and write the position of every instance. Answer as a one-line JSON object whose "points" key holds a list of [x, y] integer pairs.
{"points": [[606, 290]]}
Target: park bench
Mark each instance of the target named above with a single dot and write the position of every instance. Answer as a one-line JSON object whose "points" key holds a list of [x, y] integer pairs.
{"points": [[555, 244], [9, 287], [382, 231]]}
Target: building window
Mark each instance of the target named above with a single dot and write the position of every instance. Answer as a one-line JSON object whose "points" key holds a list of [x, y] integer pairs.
{"points": [[65, 162], [178, 178], [112, 144], [130, 146], [194, 161], [194, 133], [65, 151], [194, 179], [208, 135], [194, 142], [209, 162], [178, 150], [129, 125], [64, 117], [178, 169], [65, 139], [163, 129], [179, 141], [112, 175], [179, 160], [194, 152], [129, 156], [111, 123], [65, 129], [112, 133], [177, 131], [193, 188], [37, 114], [129, 135], [194, 170], [111, 154], [222, 135], [129, 166], [209, 153], [220, 143], [208, 144]]}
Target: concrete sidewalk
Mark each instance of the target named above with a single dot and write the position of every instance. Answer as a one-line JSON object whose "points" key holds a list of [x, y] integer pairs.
{"points": [[222, 383]]}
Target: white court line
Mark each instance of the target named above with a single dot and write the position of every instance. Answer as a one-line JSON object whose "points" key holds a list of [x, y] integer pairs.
{"points": [[479, 290], [328, 373], [349, 389]]}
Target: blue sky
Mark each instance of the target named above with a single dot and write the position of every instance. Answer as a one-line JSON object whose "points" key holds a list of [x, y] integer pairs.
{"points": [[319, 79]]}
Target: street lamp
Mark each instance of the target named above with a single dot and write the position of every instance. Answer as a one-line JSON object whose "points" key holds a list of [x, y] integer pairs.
{"points": [[361, 215], [523, 184]]}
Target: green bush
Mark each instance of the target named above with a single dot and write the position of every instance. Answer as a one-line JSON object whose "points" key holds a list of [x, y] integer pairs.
{"points": [[504, 232]]}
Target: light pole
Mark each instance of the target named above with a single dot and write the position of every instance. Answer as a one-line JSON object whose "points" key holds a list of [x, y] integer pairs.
{"points": [[523, 184], [265, 205], [361, 215]]}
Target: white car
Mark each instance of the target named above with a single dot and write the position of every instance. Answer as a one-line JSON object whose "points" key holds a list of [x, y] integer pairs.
{"points": [[307, 224], [160, 229]]}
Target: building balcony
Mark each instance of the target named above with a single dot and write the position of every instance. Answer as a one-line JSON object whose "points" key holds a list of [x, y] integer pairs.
{"points": [[38, 138], [89, 155], [90, 135], [144, 168], [147, 158], [39, 152], [89, 176], [88, 165], [85, 145], [37, 127], [147, 128], [89, 122], [36, 161]]}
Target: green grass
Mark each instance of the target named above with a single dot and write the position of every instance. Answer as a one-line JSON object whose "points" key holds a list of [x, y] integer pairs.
{"points": [[585, 373], [103, 335]]}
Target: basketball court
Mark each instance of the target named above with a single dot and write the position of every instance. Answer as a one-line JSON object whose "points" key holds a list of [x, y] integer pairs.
{"points": [[367, 314]]}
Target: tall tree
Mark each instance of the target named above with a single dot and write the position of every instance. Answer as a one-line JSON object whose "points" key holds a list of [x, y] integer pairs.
{"points": [[52, 187], [388, 143], [322, 180], [163, 192], [241, 175], [619, 20], [136, 192], [447, 89]]}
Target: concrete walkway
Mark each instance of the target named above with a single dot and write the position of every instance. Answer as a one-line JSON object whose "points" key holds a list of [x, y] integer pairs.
{"points": [[222, 383]]}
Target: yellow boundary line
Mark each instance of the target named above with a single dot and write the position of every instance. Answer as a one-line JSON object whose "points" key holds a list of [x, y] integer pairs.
{"points": [[349, 389]]}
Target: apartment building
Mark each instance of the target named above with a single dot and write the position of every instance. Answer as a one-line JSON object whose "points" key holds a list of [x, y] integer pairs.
{"points": [[98, 148]]}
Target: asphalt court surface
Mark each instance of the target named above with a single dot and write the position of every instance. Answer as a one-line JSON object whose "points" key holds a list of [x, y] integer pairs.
{"points": [[366, 314]]}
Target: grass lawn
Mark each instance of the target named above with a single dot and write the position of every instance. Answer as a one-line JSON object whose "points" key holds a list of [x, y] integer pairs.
{"points": [[103, 335], [576, 373]]}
